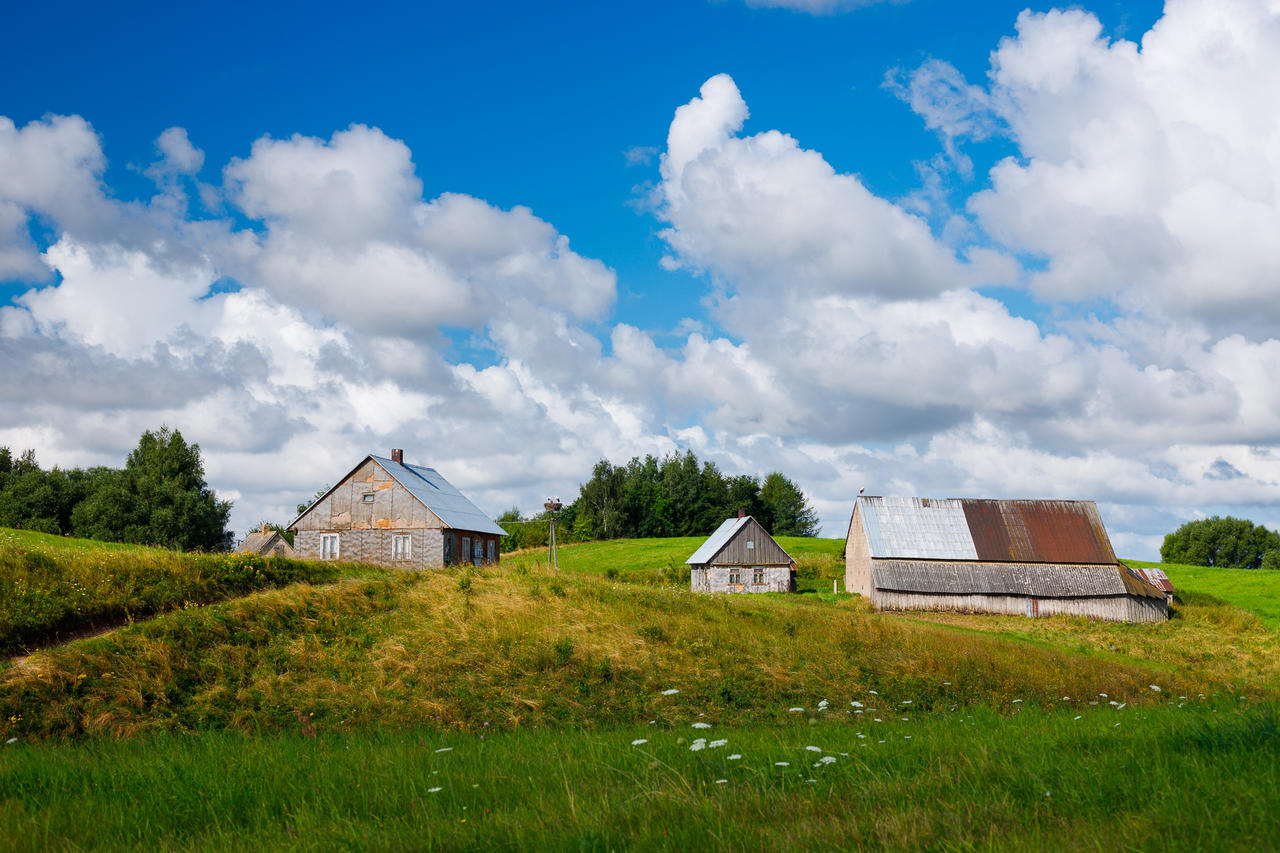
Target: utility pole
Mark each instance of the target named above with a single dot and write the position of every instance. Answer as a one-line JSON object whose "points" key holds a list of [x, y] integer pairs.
{"points": [[553, 506]]}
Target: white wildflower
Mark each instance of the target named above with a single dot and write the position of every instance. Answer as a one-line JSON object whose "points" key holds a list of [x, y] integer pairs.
{"points": [[698, 745], [434, 790], [639, 741], [717, 743], [782, 764], [906, 701], [721, 781], [445, 749], [873, 693], [670, 692], [1077, 716], [795, 710], [733, 757], [813, 749], [11, 740], [1016, 701], [1121, 705], [855, 703], [827, 759], [700, 726], [1155, 688]]}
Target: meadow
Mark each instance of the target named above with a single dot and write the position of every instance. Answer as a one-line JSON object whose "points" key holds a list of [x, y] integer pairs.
{"points": [[513, 706], [1183, 776]]}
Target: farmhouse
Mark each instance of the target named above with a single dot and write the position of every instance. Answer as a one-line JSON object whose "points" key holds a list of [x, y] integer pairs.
{"points": [[267, 542], [392, 514], [741, 556], [1029, 557]]}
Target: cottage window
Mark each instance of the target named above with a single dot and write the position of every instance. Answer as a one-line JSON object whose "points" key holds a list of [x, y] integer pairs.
{"points": [[465, 550], [329, 546], [367, 498], [493, 550], [735, 575], [751, 546], [757, 575], [401, 547], [477, 556], [448, 549]]}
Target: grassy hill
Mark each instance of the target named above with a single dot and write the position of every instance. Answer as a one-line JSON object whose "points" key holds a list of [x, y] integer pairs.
{"points": [[514, 706]]}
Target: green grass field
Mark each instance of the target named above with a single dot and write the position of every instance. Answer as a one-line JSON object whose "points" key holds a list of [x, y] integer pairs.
{"points": [[309, 717], [1255, 590], [1194, 777]]}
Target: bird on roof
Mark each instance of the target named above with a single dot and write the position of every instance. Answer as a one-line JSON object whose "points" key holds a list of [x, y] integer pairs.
{"points": [[863, 489]]}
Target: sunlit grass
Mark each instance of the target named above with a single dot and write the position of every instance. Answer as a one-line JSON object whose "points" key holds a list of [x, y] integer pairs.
{"points": [[1201, 776]]}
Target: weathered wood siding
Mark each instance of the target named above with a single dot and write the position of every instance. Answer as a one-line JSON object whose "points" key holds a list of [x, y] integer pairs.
{"points": [[765, 553], [344, 508], [1110, 608], [857, 558], [426, 550], [715, 578]]}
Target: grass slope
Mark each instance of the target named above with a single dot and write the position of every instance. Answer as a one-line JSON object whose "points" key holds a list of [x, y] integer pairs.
{"points": [[52, 587], [1256, 590]]}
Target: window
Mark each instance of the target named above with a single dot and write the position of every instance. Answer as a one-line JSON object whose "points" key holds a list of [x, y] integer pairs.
{"points": [[401, 547], [757, 575], [448, 549], [329, 546], [751, 546], [493, 550], [367, 498], [464, 552], [735, 575], [477, 556]]}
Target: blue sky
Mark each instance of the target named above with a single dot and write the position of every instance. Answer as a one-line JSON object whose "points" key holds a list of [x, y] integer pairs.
{"points": [[1037, 261]]}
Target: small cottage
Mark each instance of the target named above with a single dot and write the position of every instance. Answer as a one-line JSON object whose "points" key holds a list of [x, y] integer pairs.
{"points": [[267, 542], [1022, 557], [390, 513], [741, 556]]}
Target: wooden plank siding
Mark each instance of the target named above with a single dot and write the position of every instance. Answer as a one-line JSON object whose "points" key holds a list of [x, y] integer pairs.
{"points": [[366, 528], [765, 552]]}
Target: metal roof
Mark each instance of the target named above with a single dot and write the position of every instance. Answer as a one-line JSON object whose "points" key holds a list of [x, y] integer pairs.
{"points": [[1020, 531], [707, 550], [986, 578], [439, 495], [1155, 577], [925, 528]]}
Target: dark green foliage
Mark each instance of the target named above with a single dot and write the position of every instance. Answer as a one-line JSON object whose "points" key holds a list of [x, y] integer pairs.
{"points": [[159, 498], [677, 496], [1227, 542], [1271, 561]]}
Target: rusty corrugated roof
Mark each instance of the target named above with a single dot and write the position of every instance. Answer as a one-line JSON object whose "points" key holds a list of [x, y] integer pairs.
{"points": [[1038, 531], [1153, 576]]}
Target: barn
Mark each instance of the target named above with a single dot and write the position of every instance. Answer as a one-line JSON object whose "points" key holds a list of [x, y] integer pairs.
{"points": [[1027, 557], [741, 556], [267, 542], [390, 513]]}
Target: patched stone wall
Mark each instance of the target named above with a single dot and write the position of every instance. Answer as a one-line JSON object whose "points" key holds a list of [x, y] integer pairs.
{"points": [[375, 546]]}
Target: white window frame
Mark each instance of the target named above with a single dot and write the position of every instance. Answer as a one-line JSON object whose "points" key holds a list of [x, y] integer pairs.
{"points": [[402, 546], [330, 546], [367, 498]]}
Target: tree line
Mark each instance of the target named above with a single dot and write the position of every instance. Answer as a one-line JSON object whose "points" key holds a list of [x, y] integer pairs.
{"points": [[1234, 543], [672, 496], [160, 497]]}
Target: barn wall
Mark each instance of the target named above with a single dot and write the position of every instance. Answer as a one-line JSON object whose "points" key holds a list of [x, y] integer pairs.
{"points": [[857, 558], [716, 579], [375, 546], [344, 508], [765, 552], [1112, 608]]}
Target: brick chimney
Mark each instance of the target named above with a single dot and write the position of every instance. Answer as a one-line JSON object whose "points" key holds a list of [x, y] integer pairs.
{"points": [[397, 456], [742, 513]]}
